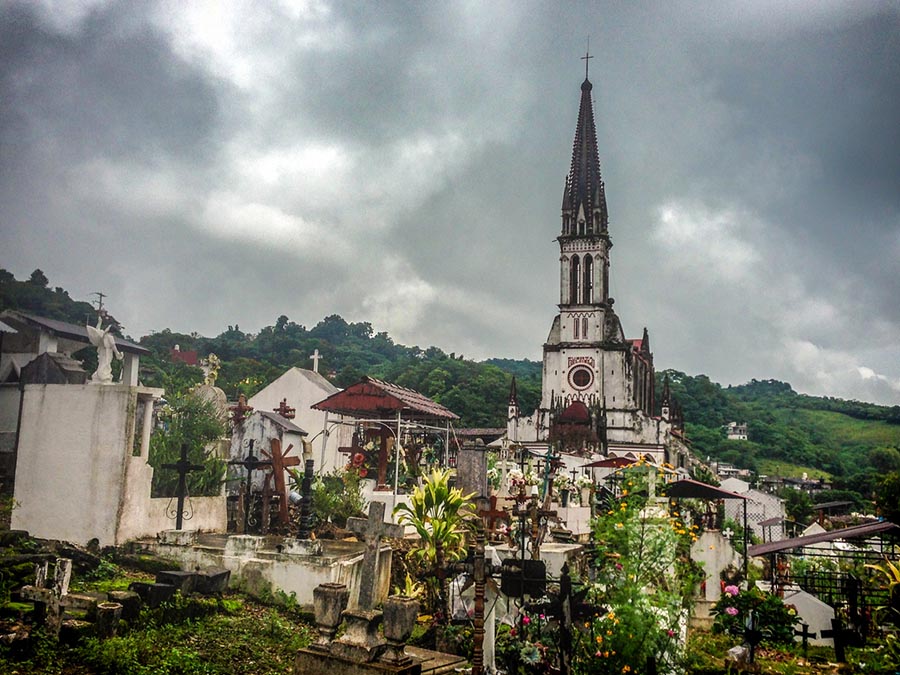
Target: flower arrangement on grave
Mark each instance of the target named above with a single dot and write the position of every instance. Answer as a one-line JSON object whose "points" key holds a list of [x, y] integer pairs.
{"points": [[774, 619], [584, 481], [494, 475], [364, 462], [561, 482], [643, 587], [531, 646]]}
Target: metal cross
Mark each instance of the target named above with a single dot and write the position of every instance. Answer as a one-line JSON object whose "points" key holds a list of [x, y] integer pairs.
{"points": [[183, 466], [315, 359], [586, 58], [240, 411], [251, 463], [286, 411], [371, 530]]}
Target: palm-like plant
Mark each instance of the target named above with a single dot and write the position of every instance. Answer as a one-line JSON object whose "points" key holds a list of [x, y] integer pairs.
{"points": [[439, 515], [891, 572]]}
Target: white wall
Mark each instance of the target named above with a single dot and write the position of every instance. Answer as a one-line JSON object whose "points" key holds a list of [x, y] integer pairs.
{"points": [[77, 477]]}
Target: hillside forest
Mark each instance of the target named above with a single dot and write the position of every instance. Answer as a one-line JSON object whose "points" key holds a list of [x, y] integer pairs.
{"points": [[851, 442]]}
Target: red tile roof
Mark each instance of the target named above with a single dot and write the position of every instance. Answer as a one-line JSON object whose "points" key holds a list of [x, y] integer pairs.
{"points": [[370, 398]]}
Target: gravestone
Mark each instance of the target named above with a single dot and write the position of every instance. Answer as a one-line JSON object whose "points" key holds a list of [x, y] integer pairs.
{"points": [[471, 469], [371, 530]]}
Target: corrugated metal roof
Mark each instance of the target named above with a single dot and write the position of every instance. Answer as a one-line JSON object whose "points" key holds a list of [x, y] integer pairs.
{"points": [[371, 398], [694, 489], [6, 328], [72, 331], [854, 532]]}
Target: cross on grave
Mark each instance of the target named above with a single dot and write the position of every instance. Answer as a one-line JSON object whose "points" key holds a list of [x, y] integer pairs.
{"points": [[183, 466], [315, 359], [286, 411], [728, 533], [491, 516], [480, 569], [48, 599], [280, 462], [371, 530], [538, 515], [841, 637], [251, 463], [805, 634], [240, 411]]}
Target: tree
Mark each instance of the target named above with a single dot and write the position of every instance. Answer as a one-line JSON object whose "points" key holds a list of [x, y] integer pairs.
{"points": [[797, 505], [38, 278], [191, 420], [887, 497]]}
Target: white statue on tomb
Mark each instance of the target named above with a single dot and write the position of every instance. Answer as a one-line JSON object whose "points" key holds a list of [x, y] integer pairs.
{"points": [[105, 342]]}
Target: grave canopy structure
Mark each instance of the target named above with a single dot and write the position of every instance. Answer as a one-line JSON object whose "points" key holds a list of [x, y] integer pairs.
{"points": [[388, 415]]}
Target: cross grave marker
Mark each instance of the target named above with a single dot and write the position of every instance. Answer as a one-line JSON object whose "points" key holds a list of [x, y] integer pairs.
{"points": [[183, 466], [371, 530]]}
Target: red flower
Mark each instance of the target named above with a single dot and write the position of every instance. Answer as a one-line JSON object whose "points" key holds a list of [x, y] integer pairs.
{"points": [[359, 459], [363, 473]]}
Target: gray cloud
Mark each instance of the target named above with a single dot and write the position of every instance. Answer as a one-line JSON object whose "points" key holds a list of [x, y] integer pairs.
{"points": [[216, 163]]}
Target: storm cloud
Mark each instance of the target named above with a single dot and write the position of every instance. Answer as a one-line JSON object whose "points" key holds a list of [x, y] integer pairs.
{"points": [[209, 164]]}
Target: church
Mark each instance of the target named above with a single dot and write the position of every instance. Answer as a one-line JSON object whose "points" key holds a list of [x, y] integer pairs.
{"points": [[598, 386]]}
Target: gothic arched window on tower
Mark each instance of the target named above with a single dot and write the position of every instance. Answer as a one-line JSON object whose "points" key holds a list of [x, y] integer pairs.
{"points": [[587, 287], [566, 224], [574, 278], [581, 226], [577, 324], [597, 221], [584, 327]]}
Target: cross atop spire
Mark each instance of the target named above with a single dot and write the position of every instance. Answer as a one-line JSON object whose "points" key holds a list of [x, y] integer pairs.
{"points": [[587, 56], [584, 195]]}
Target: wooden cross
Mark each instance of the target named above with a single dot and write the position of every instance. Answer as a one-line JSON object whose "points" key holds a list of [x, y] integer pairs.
{"points": [[48, 599], [315, 359], [240, 411], [183, 466], [280, 462], [371, 530], [841, 637], [491, 516], [286, 411]]}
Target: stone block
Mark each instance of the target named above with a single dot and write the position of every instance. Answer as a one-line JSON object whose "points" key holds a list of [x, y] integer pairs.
{"points": [[312, 662], [73, 631], [213, 580], [240, 545], [178, 537], [184, 582], [153, 595], [130, 601], [302, 547]]}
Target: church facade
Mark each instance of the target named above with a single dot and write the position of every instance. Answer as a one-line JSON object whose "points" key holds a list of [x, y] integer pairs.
{"points": [[597, 385]]}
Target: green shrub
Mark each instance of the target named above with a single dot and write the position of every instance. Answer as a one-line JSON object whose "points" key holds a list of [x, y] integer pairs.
{"points": [[775, 620]]}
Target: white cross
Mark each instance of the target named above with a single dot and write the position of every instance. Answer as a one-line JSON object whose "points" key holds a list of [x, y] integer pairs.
{"points": [[727, 533], [315, 357]]}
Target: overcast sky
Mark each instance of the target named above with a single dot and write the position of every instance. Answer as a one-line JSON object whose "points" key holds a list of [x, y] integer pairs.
{"points": [[216, 163]]}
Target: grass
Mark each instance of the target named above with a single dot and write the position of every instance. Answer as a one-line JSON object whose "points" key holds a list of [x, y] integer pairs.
{"points": [[239, 636], [777, 467]]}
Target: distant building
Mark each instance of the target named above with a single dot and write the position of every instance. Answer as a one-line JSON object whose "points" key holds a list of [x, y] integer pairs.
{"points": [[736, 431]]}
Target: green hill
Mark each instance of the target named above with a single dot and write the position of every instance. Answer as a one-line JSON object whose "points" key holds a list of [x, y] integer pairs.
{"points": [[852, 441]]}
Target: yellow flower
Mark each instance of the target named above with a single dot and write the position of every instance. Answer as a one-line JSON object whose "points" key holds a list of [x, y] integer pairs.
{"points": [[626, 668], [609, 632]]}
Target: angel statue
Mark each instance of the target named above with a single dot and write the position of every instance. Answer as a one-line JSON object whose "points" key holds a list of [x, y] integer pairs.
{"points": [[105, 342]]}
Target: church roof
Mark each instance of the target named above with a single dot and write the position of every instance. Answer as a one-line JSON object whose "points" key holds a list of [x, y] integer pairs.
{"points": [[370, 398], [584, 186]]}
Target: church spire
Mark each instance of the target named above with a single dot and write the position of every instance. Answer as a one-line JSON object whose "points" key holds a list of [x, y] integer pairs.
{"points": [[584, 199]]}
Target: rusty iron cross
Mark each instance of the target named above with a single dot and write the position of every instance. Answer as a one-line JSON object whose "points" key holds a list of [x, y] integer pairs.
{"points": [[183, 466], [240, 411], [286, 411]]}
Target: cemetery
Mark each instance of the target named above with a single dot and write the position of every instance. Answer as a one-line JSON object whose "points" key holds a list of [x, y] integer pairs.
{"points": [[303, 528]]}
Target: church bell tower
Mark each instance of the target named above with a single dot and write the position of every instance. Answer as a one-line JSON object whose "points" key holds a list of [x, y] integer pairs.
{"points": [[578, 351]]}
